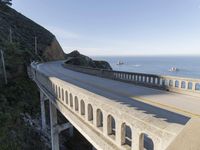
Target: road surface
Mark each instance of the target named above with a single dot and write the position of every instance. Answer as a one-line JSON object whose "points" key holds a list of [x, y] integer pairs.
{"points": [[166, 106]]}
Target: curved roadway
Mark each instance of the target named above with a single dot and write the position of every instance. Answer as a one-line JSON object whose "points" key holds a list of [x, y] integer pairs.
{"points": [[169, 107]]}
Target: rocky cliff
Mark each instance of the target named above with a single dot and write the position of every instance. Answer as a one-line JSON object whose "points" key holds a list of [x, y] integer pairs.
{"points": [[23, 31]]}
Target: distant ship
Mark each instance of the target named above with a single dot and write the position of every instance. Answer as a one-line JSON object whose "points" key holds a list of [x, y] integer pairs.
{"points": [[120, 63], [173, 69]]}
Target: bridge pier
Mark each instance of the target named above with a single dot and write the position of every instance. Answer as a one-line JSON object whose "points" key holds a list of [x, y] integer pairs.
{"points": [[71, 131], [56, 128], [54, 131], [42, 105]]}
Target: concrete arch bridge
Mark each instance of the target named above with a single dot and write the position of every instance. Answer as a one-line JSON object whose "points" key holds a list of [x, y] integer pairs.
{"points": [[119, 110]]}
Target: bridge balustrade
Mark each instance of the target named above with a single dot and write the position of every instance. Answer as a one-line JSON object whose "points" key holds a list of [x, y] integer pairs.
{"points": [[126, 131], [171, 83]]}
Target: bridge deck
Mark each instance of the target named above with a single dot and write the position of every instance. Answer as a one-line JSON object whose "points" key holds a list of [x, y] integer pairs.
{"points": [[172, 109]]}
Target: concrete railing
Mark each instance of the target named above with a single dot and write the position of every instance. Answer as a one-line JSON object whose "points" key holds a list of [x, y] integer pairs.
{"points": [[117, 123], [170, 83]]}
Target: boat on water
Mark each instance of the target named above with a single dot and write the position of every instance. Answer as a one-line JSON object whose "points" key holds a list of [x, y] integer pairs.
{"points": [[120, 63], [173, 69]]}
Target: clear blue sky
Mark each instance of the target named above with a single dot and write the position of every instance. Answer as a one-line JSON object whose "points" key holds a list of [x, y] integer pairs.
{"points": [[120, 27]]}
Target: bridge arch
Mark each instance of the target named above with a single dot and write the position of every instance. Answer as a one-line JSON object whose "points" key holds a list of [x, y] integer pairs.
{"points": [[66, 97], [76, 103], [82, 107], [146, 143], [56, 91], [183, 85], [197, 86], [63, 97], [71, 99], [111, 126], [90, 112], [126, 135], [190, 85], [59, 95], [170, 82], [177, 83], [99, 118], [53, 87]]}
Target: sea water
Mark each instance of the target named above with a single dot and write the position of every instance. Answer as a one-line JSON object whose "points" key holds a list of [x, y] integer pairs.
{"points": [[160, 65]]}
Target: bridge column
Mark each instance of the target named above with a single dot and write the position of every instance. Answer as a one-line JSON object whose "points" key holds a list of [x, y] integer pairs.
{"points": [[193, 86], [42, 105], [186, 84], [95, 116], [71, 131], [54, 132], [137, 141], [105, 124], [119, 132]]}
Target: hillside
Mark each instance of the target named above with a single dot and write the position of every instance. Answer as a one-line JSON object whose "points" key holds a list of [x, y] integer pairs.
{"points": [[20, 97], [17, 40], [24, 32]]}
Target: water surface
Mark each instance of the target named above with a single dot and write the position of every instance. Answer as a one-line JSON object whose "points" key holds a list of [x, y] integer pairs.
{"points": [[187, 66]]}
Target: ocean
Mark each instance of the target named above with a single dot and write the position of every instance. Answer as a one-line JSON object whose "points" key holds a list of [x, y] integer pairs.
{"points": [[160, 65]]}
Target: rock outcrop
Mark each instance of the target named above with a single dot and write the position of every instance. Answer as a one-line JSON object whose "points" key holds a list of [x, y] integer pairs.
{"points": [[75, 58]]}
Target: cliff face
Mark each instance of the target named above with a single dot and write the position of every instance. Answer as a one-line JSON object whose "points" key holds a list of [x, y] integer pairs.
{"points": [[53, 51], [24, 31]]}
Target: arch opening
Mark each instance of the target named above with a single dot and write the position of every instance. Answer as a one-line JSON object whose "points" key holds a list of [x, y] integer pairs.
{"points": [[190, 85], [82, 108], [59, 95], [99, 119], [126, 138], [146, 143], [197, 86], [56, 91], [183, 85], [63, 95], [111, 127], [90, 112], [76, 103], [170, 83], [71, 100], [66, 97], [176, 83]]}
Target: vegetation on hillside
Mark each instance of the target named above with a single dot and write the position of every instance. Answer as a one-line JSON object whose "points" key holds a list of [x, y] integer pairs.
{"points": [[20, 96], [16, 28]]}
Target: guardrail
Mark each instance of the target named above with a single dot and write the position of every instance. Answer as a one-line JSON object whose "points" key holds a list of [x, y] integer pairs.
{"points": [[182, 85]]}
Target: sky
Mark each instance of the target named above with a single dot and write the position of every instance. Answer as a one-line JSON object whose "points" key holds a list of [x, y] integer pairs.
{"points": [[119, 27]]}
